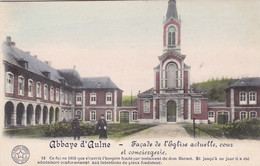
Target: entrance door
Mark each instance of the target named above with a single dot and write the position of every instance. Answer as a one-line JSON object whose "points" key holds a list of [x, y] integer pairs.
{"points": [[124, 117], [171, 111], [222, 117]]}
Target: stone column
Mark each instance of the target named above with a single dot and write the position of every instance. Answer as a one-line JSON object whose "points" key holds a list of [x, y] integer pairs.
{"points": [[33, 117], [154, 113], [189, 109], [13, 117], [24, 118]]}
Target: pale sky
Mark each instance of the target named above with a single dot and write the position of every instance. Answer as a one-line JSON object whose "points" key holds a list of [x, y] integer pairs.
{"points": [[122, 40]]}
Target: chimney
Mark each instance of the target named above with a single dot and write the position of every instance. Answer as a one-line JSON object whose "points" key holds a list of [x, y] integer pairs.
{"points": [[48, 62], [8, 40]]}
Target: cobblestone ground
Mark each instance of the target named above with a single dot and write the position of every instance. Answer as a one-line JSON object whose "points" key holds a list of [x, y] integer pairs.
{"points": [[161, 131]]}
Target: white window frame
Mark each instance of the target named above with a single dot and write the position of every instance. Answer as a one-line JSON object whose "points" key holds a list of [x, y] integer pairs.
{"points": [[197, 107], [30, 86], [93, 98], [79, 112], [243, 98], [9, 87], [211, 116], [107, 114], [21, 89], [69, 99], [176, 35], [51, 93], [45, 91], [66, 98], [243, 115], [79, 98], [108, 98], [252, 112], [146, 107], [252, 97], [62, 96], [92, 115], [38, 89], [133, 116], [57, 94]]}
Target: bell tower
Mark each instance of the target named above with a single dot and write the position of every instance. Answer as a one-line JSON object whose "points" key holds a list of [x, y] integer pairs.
{"points": [[172, 29]]}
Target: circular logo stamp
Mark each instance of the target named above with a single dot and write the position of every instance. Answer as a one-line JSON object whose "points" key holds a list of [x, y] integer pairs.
{"points": [[20, 154]]}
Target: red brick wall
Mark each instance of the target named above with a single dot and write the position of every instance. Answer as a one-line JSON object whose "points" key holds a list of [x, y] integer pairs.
{"points": [[186, 81], [100, 97], [246, 89], [157, 82], [157, 109], [99, 112], [185, 109], [141, 111], [204, 110], [220, 109], [36, 78], [171, 57], [228, 95]]}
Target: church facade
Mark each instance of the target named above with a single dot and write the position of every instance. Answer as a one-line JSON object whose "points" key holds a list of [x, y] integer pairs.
{"points": [[172, 99]]}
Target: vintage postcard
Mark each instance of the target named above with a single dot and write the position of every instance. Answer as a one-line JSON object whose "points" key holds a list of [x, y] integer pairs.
{"points": [[130, 82]]}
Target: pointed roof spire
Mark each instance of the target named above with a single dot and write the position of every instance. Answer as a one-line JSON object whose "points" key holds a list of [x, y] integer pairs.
{"points": [[172, 10]]}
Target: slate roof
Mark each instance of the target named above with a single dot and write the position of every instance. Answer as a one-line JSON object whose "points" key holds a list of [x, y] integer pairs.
{"points": [[249, 81], [14, 55], [147, 93], [171, 11]]}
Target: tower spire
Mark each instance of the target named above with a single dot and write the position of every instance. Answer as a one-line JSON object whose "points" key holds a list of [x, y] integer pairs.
{"points": [[171, 11]]}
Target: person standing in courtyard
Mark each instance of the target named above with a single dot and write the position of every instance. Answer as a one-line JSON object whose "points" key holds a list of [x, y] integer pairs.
{"points": [[75, 128], [101, 128]]}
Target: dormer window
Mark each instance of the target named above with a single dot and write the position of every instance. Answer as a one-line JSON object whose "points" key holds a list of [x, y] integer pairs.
{"points": [[62, 81], [23, 63], [46, 74]]}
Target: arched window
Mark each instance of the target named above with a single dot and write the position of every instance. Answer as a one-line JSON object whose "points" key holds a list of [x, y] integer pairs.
{"points": [[38, 89], [21, 85], [108, 98], [242, 98], [252, 114], [108, 115], [172, 31], [171, 75], [30, 88], [92, 115], [147, 106], [79, 98], [93, 98], [51, 93], [9, 82], [243, 115], [57, 94], [197, 107], [252, 97], [45, 92]]}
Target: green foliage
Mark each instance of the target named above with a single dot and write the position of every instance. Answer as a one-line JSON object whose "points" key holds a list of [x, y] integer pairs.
{"points": [[215, 130], [246, 128], [65, 130], [215, 88], [126, 101], [222, 119]]}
